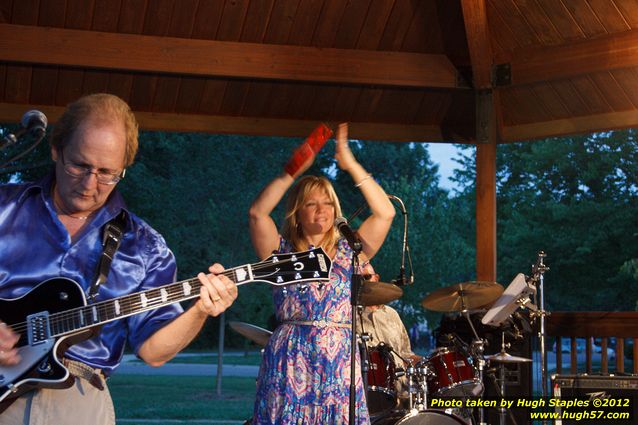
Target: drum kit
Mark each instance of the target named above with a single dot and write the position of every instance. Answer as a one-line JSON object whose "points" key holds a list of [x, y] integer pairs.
{"points": [[456, 370], [453, 371]]}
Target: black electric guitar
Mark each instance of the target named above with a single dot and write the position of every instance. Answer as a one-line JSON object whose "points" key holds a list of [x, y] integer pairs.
{"points": [[54, 315]]}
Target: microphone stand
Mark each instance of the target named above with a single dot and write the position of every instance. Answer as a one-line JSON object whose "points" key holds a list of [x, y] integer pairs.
{"points": [[363, 352], [405, 249], [355, 282]]}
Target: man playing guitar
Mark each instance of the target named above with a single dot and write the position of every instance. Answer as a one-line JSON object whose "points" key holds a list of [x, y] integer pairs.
{"points": [[54, 228]]}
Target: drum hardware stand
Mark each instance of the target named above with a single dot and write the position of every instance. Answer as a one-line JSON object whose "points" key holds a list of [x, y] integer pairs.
{"points": [[415, 404], [501, 372], [538, 277], [500, 385], [418, 397], [398, 371], [411, 372], [478, 347]]}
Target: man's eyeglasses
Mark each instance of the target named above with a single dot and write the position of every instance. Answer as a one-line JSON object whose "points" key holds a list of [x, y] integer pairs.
{"points": [[78, 171]]}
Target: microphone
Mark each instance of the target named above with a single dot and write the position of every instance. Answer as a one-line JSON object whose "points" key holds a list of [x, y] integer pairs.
{"points": [[33, 121], [346, 231]]}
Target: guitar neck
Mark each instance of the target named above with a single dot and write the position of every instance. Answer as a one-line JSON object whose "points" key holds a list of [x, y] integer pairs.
{"points": [[102, 312], [278, 270]]}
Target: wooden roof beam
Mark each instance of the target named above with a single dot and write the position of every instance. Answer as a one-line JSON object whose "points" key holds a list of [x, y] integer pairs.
{"points": [[478, 40], [567, 126], [537, 64], [255, 126], [78, 48]]}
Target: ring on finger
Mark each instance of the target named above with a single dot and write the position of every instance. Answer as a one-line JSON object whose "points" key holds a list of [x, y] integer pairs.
{"points": [[216, 299]]}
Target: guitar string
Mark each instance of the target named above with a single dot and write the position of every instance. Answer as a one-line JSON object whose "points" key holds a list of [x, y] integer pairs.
{"points": [[70, 319], [157, 299], [127, 304], [133, 302], [174, 293]]}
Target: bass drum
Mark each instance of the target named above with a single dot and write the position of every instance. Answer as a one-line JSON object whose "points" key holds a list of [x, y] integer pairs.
{"points": [[426, 417]]}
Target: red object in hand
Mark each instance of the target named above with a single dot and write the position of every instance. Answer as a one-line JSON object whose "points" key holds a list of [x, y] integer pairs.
{"points": [[313, 144]]}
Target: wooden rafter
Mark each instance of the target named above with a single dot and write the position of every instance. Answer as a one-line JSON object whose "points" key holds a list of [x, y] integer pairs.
{"points": [[475, 19], [561, 127], [55, 46], [10, 112], [546, 63]]}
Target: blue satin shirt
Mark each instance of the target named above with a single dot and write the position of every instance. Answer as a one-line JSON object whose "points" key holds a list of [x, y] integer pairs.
{"points": [[35, 246]]}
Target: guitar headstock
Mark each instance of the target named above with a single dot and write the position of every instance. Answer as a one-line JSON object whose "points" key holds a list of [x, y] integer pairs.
{"points": [[284, 269]]}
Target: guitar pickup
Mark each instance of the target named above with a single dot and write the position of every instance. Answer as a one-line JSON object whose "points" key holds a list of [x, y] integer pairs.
{"points": [[38, 330]]}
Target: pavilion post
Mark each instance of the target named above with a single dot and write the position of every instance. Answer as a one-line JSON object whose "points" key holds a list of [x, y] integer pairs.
{"points": [[485, 187]]}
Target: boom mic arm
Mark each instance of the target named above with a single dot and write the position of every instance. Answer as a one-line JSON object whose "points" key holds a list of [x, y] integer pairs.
{"points": [[33, 122], [405, 249]]}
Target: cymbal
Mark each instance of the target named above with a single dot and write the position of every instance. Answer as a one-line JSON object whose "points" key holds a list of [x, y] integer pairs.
{"points": [[375, 293], [463, 296], [506, 358], [259, 336]]}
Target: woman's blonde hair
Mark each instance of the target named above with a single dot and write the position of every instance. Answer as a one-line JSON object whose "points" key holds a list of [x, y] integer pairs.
{"points": [[291, 229]]}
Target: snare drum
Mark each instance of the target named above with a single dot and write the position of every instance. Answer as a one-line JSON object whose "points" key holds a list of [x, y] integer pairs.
{"points": [[454, 375], [426, 417], [381, 395]]}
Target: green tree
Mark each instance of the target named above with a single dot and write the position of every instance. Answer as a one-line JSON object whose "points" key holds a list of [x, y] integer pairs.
{"points": [[440, 227], [575, 198]]}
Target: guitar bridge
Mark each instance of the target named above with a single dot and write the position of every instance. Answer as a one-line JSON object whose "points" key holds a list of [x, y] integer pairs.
{"points": [[38, 330]]}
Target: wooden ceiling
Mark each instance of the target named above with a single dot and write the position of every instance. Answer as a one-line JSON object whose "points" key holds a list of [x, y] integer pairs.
{"points": [[401, 70]]}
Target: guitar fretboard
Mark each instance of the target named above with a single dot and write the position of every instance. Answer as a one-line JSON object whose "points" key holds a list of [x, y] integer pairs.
{"points": [[278, 269], [105, 311], [128, 305]]}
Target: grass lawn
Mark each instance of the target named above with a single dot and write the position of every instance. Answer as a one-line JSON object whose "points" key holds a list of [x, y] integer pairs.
{"points": [[251, 359], [181, 397]]}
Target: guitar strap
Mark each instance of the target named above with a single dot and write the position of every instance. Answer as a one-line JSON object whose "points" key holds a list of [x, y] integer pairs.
{"points": [[113, 231]]}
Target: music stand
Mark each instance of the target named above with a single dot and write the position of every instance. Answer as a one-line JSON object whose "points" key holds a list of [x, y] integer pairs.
{"points": [[518, 294]]}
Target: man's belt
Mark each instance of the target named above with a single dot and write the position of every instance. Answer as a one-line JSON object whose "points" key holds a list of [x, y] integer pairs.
{"points": [[317, 323], [80, 370]]}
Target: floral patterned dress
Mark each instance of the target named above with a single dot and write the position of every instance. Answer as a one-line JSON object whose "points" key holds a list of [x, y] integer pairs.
{"points": [[305, 371]]}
